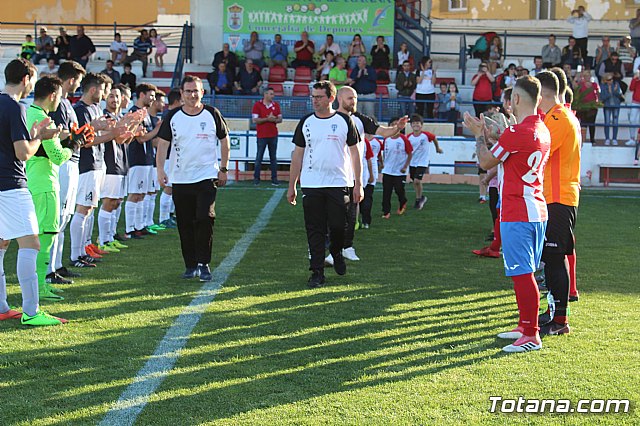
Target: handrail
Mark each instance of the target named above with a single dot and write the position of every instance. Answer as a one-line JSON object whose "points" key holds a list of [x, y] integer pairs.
{"points": [[184, 53], [415, 25]]}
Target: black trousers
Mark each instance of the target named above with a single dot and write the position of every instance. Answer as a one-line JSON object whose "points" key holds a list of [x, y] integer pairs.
{"points": [[389, 184], [367, 204], [325, 209], [352, 217], [581, 43], [493, 203], [195, 214], [428, 106]]}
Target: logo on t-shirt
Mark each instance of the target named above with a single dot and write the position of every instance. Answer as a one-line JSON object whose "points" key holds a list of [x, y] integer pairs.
{"points": [[89, 196], [203, 125], [334, 127]]}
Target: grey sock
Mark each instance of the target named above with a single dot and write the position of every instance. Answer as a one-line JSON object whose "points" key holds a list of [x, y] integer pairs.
{"points": [[4, 306], [28, 279]]}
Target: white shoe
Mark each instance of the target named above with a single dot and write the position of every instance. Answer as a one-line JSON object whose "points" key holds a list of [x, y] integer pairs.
{"points": [[524, 344], [614, 142], [350, 253], [607, 142], [328, 260], [630, 142]]}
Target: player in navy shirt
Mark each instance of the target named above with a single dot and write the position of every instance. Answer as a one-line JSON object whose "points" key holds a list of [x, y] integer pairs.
{"points": [[17, 212]]}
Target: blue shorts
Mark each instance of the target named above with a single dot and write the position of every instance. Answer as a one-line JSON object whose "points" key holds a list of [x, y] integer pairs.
{"points": [[522, 244]]}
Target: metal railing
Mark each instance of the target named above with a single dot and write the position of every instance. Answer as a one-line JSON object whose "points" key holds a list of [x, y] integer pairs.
{"points": [[184, 54]]}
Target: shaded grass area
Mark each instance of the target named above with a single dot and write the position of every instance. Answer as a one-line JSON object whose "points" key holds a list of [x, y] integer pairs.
{"points": [[406, 337]]}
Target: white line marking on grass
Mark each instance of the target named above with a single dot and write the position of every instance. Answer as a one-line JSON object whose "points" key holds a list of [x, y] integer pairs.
{"points": [[127, 408]]}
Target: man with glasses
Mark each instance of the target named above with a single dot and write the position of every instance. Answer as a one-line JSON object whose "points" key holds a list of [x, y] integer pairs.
{"points": [[326, 160], [194, 132]]}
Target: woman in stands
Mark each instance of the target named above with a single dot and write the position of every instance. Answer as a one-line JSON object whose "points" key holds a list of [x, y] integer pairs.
{"points": [[356, 48]]}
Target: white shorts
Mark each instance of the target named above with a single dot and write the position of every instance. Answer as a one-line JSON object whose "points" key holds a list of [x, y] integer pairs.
{"points": [[89, 186], [69, 176], [138, 177], [17, 214], [113, 186], [166, 172], [153, 180]]}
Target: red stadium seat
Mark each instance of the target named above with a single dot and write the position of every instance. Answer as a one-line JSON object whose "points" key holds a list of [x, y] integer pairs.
{"points": [[277, 74], [301, 90], [278, 89], [382, 91], [303, 75], [382, 71]]}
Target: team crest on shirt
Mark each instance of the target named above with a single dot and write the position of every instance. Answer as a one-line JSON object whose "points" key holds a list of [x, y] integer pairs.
{"points": [[89, 196], [203, 125], [334, 127]]}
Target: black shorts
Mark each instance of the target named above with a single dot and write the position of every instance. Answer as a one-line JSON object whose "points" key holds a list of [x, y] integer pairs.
{"points": [[559, 238], [481, 171], [417, 173]]}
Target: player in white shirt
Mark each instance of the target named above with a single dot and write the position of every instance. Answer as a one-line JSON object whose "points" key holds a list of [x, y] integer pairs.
{"points": [[326, 159], [370, 176], [397, 152], [420, 141]]}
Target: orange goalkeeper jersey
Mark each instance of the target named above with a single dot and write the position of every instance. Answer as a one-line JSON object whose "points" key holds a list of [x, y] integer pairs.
{"points": [[562, 173]]}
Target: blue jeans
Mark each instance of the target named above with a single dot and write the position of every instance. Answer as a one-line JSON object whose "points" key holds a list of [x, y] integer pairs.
{"points": [[272, 143], [406, 108], [611, 119]]}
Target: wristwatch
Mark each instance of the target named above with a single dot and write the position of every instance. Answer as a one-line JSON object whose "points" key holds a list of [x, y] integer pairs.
{"points": [[224, 169]]}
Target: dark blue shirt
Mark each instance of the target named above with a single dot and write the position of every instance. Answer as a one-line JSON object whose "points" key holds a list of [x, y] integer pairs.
{"points": [[137, 152], [142, 46], [13, 128], [65, 116], [115, 154], [92, 157], [248, 80], [366, 84]]}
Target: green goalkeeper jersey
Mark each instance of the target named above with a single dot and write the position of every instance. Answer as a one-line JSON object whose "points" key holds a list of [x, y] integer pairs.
{"points": [[42, 168]]}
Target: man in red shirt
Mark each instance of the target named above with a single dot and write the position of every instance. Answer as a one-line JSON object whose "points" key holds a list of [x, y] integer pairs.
{"points": [[304, 50], [266, 114]]}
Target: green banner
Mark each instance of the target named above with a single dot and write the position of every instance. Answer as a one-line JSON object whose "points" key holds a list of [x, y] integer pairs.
{"points": [[342, 18]]}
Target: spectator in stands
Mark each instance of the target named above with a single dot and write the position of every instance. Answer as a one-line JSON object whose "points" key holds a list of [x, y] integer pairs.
{"points": [[304, 50], [221, 80], [580, 20], [442, 102], [572, 55], [111, 72], [249, 80], [142, 48], [330, 45], [510, 76], [63, 42], [612, 66], [44, 46], [278, 52], [325, 66], [634, 111], [380, 54], [406, 85], [604, 51], [28, 48], [495, 54], [159, 45], [51, 68], [551, 54], [81, 47], [254, 50], [521, 71], [338, 74], [482, 88], [364, 83], [128, 78], [356, 49], [537, 66], [226, 56], [586, 84], [611, 95], [403, 55], [627, 54], [568, 74], [634, 26], [119, 49], [266, 114], [425, 88], [454, 106]]}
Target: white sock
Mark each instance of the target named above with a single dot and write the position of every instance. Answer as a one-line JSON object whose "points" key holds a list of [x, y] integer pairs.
{"points": [[165, 206], [130, 216], [88, 227], [152, 209], [104, 227], [76, 230], [139, 218], [55, 262], [4, 306], [28, 279], [115, 218], [173, 205], [145, 210]]}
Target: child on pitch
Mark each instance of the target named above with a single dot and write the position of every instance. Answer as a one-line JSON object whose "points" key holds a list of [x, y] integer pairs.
{"points": [[420, 141], [374, 146], [397, 152]]}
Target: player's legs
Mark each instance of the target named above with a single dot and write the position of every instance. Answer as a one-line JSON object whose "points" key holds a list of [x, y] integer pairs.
{"points": [[398, 186], [387, 188], [262, 146], [205, 216], [482, 186], [350, 229], [47, 206], [573, 285], [4, 306], [165, 205], [337, 210], [315, 206], [366, 205], [185, 197]]}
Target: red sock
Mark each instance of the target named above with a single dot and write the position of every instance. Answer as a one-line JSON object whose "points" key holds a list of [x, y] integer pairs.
{"points": [[560, 320], [497, 241], [573, 287], [528, 299]]}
